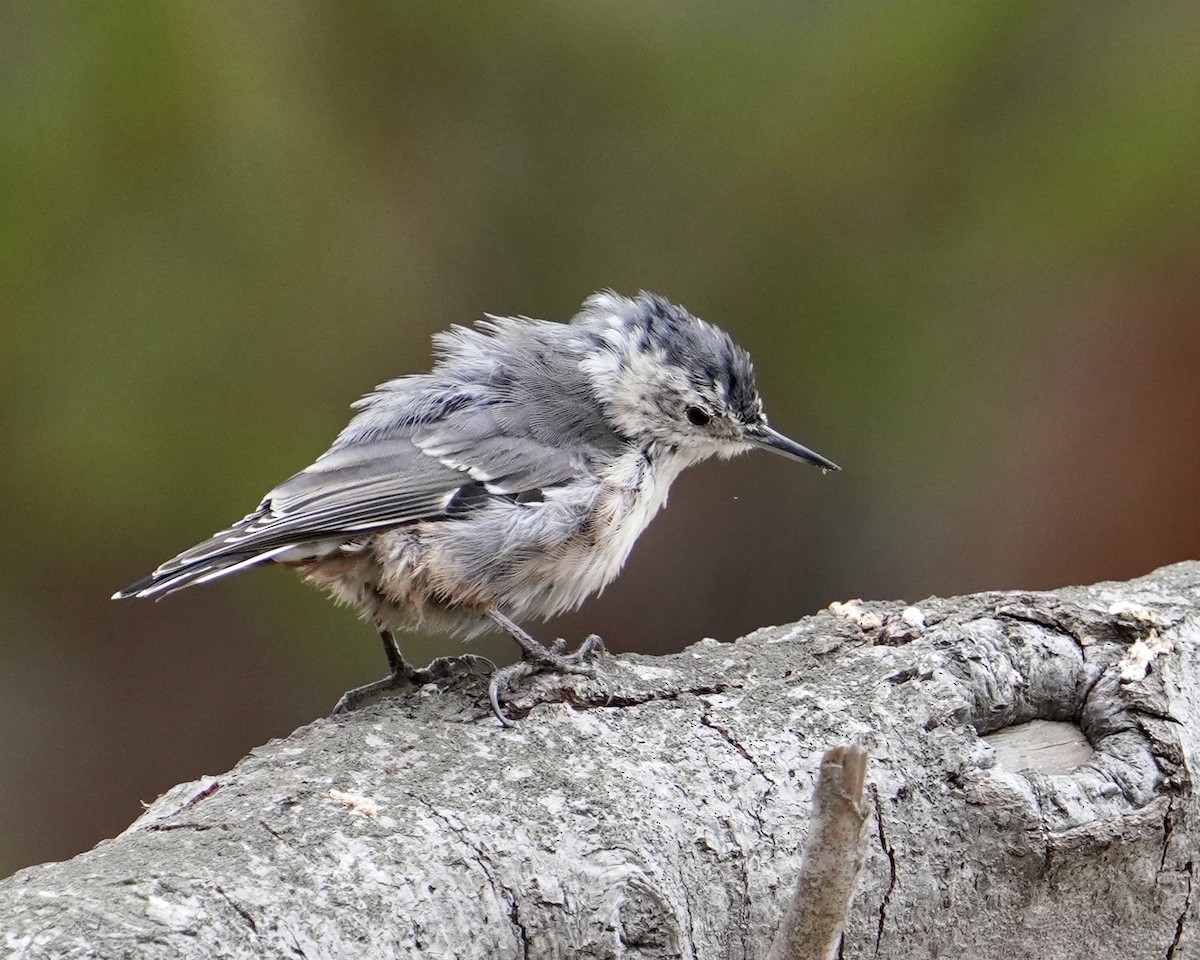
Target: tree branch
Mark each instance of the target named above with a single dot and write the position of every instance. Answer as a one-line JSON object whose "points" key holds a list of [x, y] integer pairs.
{"points": [[666, 821]]}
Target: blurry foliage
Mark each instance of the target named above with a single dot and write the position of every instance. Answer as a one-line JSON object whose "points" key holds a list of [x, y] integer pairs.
{"points": [[939, 227]]}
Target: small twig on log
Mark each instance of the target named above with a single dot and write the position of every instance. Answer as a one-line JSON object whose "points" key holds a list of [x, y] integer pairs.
{"points": [[833, 859]]}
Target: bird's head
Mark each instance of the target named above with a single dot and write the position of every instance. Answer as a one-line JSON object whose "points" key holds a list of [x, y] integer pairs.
{"points": [[665, 376]]}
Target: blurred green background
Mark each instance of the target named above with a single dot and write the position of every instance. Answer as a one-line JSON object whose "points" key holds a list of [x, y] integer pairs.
{"points": [[960, 239]]}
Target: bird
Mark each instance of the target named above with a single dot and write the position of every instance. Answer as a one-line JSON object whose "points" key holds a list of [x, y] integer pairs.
{"points": [[508, 483]]}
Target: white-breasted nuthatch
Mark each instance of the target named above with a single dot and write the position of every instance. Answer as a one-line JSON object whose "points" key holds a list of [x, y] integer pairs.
{"points": [[511, 481]]}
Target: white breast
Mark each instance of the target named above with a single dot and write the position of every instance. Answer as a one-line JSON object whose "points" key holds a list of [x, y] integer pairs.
{"points": [[540, 559], [633, 489]]}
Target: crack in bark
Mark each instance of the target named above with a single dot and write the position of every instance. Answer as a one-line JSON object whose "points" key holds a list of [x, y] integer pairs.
{"points": [[1035, 618], [890, 853], [1083, 633], [502, 893], [1086, 694], [691, 928], [1181, 922], [1167, 828], [1152, 714], [572, 697], [706, 720], [203, 794], [514, 916], [198, 827], [271, 830], [241, 911], [295, 945], [649, 696]]}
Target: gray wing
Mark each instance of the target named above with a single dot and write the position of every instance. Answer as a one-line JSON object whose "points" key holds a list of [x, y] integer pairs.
{"points": [[344, 494], [503, 415], [386, 483], [442, 470], [497, 446]]}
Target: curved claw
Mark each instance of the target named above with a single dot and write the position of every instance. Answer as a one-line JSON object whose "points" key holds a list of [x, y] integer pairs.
{"points": [[494, 700], [504, 678], [550, 659]]}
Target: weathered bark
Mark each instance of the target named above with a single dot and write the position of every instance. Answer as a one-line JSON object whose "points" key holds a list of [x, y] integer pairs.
{"points": [[667, 822]]}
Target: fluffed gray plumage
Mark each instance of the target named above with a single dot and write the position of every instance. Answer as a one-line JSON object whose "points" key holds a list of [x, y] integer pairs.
{"points": [[511, 481]]}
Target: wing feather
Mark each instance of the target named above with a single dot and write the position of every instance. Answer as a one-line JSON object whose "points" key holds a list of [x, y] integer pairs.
{"points": [[507, 420], [385, 487]]}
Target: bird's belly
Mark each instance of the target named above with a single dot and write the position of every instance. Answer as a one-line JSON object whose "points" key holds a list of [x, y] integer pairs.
{"points": [[621, 509], [540, 559]]}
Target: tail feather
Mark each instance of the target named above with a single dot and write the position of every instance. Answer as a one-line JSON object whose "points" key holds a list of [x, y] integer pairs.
{"points": [[172, 576]]}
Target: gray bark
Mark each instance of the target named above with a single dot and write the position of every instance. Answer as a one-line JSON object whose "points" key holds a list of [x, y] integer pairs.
{"points": [[667, 821]]}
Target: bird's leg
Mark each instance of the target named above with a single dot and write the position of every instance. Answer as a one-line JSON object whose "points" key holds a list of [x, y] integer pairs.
{"points": [[402, 674], [536, 658], [391, 650]]}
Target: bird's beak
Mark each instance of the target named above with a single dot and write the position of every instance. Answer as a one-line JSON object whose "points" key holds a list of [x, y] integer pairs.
{"points": [[776, 442]]}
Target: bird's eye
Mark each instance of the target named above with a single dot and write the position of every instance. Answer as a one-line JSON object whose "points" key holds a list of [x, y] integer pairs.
{"points": [[698, 416]]}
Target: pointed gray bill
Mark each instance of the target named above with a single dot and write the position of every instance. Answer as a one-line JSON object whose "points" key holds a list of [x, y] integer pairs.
{"points": [[776, 442]]}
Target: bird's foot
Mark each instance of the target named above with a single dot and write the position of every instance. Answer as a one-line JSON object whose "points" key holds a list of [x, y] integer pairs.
{"points": [[538, 659], [407, 676]]}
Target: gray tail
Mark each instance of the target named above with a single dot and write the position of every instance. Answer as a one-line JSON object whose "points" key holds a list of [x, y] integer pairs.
{"points": [[183, 572]]}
